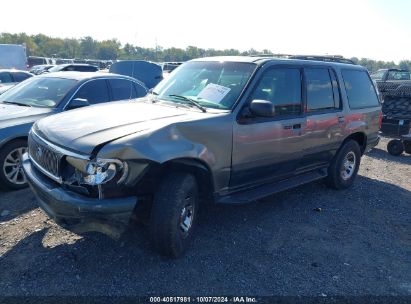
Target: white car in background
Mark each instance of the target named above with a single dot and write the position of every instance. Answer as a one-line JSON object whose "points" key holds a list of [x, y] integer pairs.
{"points": [[9, 78]]}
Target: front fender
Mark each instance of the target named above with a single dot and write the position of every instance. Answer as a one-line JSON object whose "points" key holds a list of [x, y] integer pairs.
{"points": [[10, 133], [207, 141]]}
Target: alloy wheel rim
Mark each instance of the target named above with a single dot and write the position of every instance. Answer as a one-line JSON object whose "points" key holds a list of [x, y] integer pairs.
{"points": [[13, 168], [348, 166], [186, 219]]}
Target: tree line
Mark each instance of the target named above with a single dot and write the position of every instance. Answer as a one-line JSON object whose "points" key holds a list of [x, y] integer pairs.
{"points": [[89, 48]]}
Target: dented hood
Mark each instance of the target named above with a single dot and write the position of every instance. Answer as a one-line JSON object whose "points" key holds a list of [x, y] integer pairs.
{"points": [[84, 129]]}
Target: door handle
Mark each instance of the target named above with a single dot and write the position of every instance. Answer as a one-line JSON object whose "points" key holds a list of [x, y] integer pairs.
{"points": [[341, 119], [292, 127]]}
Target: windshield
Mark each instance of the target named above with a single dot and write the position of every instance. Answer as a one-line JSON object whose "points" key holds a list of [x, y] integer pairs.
{"points": [[39, 92], [211, 84], [378, 75], [398, 75]]}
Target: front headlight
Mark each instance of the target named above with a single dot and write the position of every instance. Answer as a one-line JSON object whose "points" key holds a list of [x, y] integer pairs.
{"points": [[99, 171]]}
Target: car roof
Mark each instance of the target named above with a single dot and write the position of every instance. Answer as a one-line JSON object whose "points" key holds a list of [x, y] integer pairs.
{"points": [[83, 75], [260, 60], [42, 65], [76, 64], [13, 70]]}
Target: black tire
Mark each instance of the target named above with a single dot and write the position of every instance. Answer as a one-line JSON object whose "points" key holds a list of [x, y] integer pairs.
{"points": [[176, 192], [395, 147], [407, 146], [6, 182], [336, 178]]}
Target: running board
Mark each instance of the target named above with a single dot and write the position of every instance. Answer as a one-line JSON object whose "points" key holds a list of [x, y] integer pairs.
{"points": [[249, 195]]}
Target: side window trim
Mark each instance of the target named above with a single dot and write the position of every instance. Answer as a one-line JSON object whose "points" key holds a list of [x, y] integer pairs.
{"points": [[110, 89], [336, 89], [13, 77]]}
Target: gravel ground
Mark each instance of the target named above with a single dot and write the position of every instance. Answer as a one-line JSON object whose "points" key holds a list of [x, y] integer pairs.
{"points": [[357, 243]]}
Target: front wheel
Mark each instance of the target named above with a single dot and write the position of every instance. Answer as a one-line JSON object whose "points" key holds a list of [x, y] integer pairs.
{"points": [[173, 214], [344, 167], [12, 176]]}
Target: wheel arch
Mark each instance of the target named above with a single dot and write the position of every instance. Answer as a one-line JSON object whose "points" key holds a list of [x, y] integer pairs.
{"points": [[196, 167], [13, 139], [360, 138]]}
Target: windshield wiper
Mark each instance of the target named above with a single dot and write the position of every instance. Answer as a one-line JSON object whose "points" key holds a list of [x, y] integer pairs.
{"points": [[190, 101], [17, 103]]}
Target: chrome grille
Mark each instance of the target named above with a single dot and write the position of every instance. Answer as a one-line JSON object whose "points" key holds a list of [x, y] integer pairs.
{"points": [[44, 157]]}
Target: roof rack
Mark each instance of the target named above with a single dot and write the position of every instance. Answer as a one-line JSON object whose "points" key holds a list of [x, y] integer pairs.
{"points": [[328, 58]]}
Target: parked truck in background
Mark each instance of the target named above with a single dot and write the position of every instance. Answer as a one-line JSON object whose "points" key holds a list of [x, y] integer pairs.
{"points": [[13, 56], [394, 86]]}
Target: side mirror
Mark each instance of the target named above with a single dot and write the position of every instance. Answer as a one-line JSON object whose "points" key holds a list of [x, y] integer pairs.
{"points": [[262, 108], [77, 103]]}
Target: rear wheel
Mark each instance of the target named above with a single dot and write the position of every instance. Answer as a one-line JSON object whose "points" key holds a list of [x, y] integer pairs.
{"points": [[12, 176], [344, 167], [174, 213], [395, 147], [407, 146]]}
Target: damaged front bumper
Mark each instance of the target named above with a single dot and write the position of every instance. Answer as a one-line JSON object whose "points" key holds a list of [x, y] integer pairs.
{"points": [[76, 212]]}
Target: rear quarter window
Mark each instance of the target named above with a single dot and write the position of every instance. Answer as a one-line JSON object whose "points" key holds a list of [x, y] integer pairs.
{"points": [[360, 90], [18, 77]]}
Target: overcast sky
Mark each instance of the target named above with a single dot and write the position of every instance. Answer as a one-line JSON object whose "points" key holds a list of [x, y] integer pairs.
{"points": [[376, 29]]}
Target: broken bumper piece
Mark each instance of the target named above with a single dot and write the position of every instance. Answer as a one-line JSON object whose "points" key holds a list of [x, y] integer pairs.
{"points": [[76, 212]]}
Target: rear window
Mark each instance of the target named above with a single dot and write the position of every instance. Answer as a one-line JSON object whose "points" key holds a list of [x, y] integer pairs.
{"points": [[360, 90], [378, 75]]}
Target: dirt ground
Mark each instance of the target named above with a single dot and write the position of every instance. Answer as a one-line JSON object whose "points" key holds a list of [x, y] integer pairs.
{"points": [[307, 241]]}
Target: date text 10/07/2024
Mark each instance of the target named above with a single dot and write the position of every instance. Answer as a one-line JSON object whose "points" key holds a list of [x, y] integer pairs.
{"points": [[240, 299]]}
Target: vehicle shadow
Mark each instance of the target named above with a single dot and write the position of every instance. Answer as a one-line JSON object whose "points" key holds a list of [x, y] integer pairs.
{"points": [[290, 243], [381, 154], [16, 203]]}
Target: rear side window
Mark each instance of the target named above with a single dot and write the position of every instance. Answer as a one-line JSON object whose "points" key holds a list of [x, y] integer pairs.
{"points": [[87, 68], [122, 89], [320, 95], [140, 90], [18, 77], [360, 90], [281, 86]]}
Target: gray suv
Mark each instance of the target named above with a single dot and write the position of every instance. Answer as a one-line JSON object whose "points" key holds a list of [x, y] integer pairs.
{"points": [[223, 130]]}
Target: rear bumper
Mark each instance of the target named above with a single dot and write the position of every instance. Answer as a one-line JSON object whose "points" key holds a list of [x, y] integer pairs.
{"points": [[76, 212]]}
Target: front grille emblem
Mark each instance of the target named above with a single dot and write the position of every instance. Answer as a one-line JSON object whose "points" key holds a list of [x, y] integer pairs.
{"points": [[39, 152]]}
